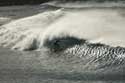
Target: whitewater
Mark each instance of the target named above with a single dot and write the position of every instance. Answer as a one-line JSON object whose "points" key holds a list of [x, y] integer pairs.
{"points": [[96, 26], [70, 42]]}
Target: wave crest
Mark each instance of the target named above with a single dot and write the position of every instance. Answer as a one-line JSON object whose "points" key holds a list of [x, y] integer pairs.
{"points": [[25, 33]]}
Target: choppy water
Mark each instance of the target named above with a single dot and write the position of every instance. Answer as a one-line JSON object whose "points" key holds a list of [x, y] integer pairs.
{"points": [[77, 64], [32, 67]]}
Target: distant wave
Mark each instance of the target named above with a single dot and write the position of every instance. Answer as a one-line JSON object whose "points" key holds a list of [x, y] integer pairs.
{"points": [[85, 4]]}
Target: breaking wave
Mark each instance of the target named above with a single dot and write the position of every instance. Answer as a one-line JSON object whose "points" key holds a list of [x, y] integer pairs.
{"points": [[92, 38], [24, 33], [93, 25]]}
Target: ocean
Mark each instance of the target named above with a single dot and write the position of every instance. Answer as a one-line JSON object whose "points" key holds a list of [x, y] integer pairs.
{"points": [[63, 43]]}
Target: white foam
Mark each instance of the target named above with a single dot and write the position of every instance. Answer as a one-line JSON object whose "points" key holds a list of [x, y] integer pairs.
{"points": [[20, 34], [95, 25], [100, 25]]}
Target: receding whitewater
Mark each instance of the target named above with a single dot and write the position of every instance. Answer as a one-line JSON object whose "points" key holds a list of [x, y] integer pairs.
{"points": [[64, 45]]}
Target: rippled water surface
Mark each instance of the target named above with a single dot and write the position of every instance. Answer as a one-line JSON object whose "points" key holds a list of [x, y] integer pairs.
{"points": [[35, 67]]}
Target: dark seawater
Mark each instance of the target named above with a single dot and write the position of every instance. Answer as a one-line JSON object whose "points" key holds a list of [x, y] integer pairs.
{"points": [[40, 67]]}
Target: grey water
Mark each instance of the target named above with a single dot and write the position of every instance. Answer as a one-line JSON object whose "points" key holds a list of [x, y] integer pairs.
{"points": [[43, 66]]}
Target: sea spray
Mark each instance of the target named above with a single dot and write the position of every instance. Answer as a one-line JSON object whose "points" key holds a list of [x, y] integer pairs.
{"points": [[22, 33], [94, 25]]}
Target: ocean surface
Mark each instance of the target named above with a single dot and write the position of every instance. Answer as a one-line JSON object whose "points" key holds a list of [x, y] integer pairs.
{"points": [[47, 43]]}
